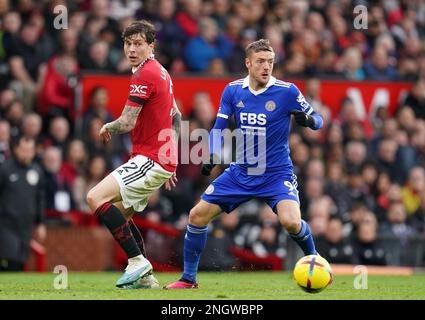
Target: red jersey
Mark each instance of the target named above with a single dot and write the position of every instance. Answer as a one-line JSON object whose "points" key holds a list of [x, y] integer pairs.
{"points": [[151, 137]]}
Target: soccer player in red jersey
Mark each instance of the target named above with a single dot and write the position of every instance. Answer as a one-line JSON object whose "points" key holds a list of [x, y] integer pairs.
{"points": [[153, 120]]}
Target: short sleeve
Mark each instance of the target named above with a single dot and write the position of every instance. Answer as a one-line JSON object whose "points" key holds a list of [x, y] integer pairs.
{"points": [[297, 101], [140, 91], [225, 110]]}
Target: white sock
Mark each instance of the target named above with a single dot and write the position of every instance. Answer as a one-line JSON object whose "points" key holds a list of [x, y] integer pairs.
{"points": [[140, 259]]}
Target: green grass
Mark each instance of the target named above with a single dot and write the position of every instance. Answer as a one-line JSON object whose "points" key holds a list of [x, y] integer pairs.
{"points": [[213, 286]]}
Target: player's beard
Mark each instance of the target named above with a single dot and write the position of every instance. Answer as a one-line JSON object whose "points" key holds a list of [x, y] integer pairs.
{"points": [[261, 82]]}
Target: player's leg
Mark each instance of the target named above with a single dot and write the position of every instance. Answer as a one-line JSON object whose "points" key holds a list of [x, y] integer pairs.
{"points": [[289, 215], [101, 200], [223, 194], [128, 214], [194, 242], [148, 280]]}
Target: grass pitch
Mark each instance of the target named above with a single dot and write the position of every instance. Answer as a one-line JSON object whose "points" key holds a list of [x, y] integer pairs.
{"points": [[213, 286]]}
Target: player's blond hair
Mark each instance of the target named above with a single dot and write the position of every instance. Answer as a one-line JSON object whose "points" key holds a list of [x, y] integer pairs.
{"points": [[257, 46]]}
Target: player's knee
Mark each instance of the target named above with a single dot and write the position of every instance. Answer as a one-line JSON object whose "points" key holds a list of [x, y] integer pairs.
{"points": [[291, 224], [196, 218], [92, 200]]}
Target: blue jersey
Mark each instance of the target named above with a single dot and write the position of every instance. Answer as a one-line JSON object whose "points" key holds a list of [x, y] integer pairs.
{"points": [[263, 121]]}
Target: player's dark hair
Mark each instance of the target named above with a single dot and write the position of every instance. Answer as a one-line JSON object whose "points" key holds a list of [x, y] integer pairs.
{"points": [[142, 27], [257, 46]]}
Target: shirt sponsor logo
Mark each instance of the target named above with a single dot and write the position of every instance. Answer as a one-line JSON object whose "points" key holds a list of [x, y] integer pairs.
{"points": [[303, 103], [253, 118], [138, 89]]}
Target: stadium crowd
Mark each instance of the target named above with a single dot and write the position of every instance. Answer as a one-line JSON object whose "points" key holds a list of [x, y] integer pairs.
{"points": [[358, 180]]}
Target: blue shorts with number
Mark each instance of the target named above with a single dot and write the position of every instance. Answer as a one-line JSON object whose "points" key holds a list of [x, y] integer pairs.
{"points": [[234, 187]]}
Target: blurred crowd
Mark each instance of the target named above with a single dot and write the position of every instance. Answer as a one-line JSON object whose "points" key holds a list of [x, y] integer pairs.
{"points": [[359, 180]]}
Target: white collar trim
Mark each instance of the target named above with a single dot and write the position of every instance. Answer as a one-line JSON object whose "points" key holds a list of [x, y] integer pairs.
{"points": [[245, 84], [134, 69]]}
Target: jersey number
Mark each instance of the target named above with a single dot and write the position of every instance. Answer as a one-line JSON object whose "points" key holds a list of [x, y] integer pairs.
{"points": [[132, 166]]}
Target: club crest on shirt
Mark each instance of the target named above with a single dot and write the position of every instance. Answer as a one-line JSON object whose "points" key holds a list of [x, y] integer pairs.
{"points": [[270, 105], [210, 189], [32, 177]]}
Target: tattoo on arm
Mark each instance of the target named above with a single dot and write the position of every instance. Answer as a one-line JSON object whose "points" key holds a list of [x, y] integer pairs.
{"points": [[126, 122], [176, 122]]}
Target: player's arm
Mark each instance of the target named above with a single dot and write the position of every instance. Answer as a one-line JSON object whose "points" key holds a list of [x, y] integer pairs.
{"points": [[176, 124], [216, 137], [124, 124], [303, 113]]}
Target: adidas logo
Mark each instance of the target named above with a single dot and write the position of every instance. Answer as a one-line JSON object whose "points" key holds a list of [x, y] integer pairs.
{"points": [[240, 104]]}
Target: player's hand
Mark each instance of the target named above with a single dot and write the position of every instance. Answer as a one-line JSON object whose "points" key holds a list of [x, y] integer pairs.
{"points": [[207, 167], [105, 134], [303, 119], [171, 183]]}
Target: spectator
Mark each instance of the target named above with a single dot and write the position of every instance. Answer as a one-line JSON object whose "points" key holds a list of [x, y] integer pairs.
{"points": [[357, 190], [96, 171], [5, 151], [378, 67], [58, 134], [355, 154], [352, 63], [28, 62], [75, 161], [236, 60], [333, 246], [7, 96], [413, 190], [14, 113], [201, 50], [417, 221], [222, 237], [94, 143], [203, 109], [319, 213], [170, 36], [58, 191], [98, 108], [56, 97], [188, 17], [98, 58], [32, 124], [416, 99], [396, 224], [387, 152], [20, 176], [263, 237], [367, 249]]}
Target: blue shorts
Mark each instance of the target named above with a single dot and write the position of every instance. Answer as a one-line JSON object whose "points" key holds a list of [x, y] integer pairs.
{"points": [[233, 187]]}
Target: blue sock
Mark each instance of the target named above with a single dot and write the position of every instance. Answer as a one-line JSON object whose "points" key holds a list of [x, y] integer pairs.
{"points": [[304, 239], [194, 242]]}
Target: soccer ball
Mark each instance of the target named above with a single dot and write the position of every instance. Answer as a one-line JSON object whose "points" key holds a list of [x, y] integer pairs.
{"points": [[313, 274]]}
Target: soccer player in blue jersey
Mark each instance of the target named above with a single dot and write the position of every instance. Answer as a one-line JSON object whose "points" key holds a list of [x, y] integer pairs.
{"points": [[262, 107]]}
